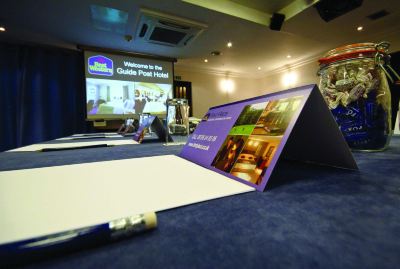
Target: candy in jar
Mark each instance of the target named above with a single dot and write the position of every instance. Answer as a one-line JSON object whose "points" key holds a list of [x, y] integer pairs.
{"points": [[353, 81]]}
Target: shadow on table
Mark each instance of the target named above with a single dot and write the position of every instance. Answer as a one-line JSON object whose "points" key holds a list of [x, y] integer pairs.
{"points": [[300, 174]]}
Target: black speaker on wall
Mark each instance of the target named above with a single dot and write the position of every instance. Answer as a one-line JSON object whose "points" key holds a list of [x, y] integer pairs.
{"points": [[276, 22], [331, 9]]}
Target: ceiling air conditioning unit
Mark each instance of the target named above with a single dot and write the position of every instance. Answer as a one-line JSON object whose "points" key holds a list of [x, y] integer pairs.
{"points": [[163, 29]]}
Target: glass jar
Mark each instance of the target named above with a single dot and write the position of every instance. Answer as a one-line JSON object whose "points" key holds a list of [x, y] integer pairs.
{"points": [[178, 120], [354, 85]]}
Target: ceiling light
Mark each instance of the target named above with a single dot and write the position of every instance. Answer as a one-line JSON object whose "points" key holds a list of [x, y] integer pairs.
{"points": [[206, 60], [259, 68], [229, 44], [288, 56], [360, 28], [2, 29]]}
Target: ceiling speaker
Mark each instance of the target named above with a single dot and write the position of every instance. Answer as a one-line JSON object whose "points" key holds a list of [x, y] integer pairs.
{"points": [[331, 9], [276, 22]]}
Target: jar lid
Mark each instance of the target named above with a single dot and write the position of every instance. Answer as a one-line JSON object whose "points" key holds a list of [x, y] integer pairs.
{"points": [[357, 50]]}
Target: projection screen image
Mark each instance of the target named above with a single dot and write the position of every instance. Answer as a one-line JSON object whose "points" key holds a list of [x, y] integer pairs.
{"points": [[119, 86]]}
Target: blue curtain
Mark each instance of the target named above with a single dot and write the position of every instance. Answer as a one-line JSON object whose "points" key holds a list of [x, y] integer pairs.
{"points": [[42, 94]]}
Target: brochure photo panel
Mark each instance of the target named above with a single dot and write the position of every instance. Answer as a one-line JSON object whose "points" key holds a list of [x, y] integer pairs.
{"points": [[255, 137]]}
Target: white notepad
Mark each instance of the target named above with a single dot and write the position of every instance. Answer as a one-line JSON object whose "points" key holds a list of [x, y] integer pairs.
{"points": [[83, 137], [38, 147], [41, 201], [96, 134]]}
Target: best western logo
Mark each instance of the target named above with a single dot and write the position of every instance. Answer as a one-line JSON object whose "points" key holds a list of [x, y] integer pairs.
{"points": [[100, 65], [211, 116]]}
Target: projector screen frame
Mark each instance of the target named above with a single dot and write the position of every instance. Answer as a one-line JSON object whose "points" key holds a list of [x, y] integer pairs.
{"points": [[110, 117]]}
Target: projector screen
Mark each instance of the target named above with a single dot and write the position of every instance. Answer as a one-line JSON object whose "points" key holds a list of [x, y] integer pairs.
{"points": [[120, 86]]}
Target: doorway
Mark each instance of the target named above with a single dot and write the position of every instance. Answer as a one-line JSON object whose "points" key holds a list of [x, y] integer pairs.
{"points": [[183, 89]]}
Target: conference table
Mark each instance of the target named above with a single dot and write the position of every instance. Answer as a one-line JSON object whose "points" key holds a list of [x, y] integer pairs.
{"points": [[309, 217]]}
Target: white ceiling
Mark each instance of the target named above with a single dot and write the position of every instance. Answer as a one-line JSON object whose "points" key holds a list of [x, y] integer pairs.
{"points": [[305, 37], [268, 6]]}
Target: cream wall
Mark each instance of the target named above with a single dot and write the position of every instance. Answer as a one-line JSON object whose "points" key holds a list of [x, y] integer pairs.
{"points": [[306, 74], [207, 90]]}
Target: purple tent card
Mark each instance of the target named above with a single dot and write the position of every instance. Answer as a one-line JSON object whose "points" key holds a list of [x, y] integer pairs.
{"points": [[244, 140]]}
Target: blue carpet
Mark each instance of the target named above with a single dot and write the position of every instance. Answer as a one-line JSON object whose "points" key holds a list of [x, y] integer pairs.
{"points": [[310, 217]]}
